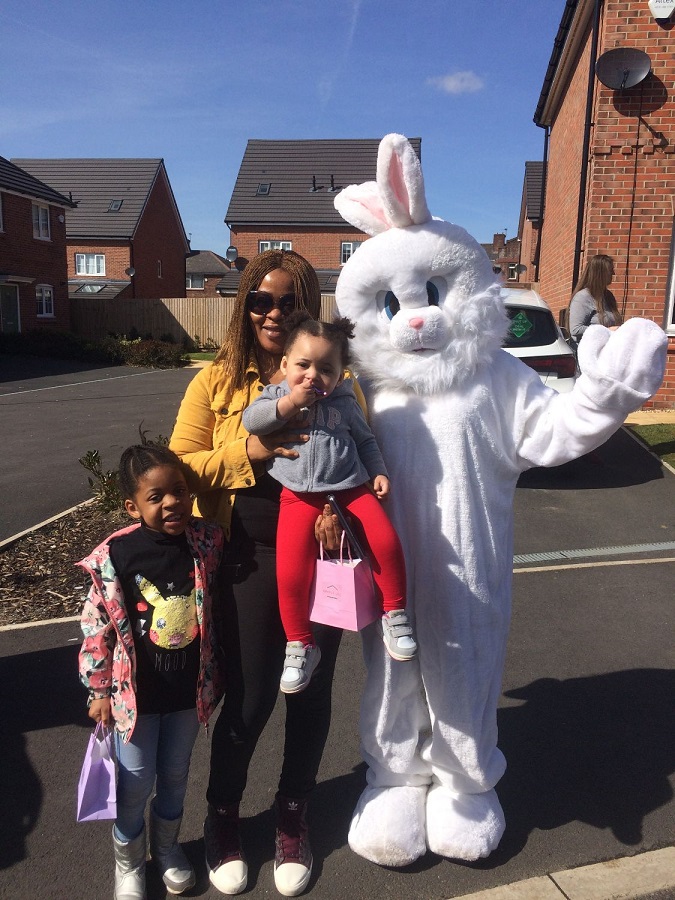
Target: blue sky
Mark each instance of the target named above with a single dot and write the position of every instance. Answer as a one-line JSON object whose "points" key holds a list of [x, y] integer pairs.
{"points": [[192, 82]]}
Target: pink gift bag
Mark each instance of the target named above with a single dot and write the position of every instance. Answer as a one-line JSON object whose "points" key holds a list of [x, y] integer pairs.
{"points": [[343, 594]]}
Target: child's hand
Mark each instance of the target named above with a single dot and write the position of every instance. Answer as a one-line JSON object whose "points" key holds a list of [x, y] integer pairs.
{"points": [[381, 486], [99, 711], [303, 395]]}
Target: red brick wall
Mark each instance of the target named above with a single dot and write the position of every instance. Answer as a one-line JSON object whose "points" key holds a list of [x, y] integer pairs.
{"points": [[159, 237], [320, 247], [43, 261], [117, 258], [528, 251], [629, 208]]}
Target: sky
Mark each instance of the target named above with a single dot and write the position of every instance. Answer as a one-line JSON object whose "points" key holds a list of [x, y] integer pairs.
{"points": [[192, 82]]}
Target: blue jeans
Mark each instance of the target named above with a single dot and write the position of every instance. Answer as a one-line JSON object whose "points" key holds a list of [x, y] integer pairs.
{"points": [[159, 749]]}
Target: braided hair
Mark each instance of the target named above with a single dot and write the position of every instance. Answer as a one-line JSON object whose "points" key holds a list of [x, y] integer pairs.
{"points": [[138, 460]]}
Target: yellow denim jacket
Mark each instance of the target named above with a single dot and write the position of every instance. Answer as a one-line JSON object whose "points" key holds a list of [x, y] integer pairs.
{"points": [[210, 439]]}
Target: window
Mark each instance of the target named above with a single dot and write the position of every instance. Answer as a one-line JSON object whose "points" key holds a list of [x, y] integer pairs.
{"points": [[41, 222], [44, 294], [513, 272], [90, 263], [348, 249], [90, 288], [274, 245], [115, 205], [194, 282], [263, 189]]}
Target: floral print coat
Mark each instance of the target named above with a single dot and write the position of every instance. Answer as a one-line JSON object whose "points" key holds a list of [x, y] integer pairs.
{"points": [[107, 660]]}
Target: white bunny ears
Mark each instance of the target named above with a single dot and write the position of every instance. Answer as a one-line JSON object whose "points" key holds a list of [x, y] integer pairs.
{"points": [[396, 199]]}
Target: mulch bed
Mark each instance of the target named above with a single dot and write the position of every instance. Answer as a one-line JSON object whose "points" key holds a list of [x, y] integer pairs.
{"points": [[38, 576]]}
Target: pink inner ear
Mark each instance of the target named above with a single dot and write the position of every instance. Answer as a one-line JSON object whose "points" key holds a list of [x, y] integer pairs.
{"points": [[373, 204], [397, 182]]}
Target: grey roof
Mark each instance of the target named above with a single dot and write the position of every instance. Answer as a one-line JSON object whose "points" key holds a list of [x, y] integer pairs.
{"points": [[15, 179], [109, 288], [94, 184], [534, 185], [289, 167], [229, 283], [206, 262]]}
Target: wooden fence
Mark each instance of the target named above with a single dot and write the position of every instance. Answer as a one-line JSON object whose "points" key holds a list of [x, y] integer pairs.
{"points": [[188, 320]]}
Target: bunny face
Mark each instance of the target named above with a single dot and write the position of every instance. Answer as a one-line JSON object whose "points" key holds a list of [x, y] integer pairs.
{"points": [[426, 304], [422, 291]]}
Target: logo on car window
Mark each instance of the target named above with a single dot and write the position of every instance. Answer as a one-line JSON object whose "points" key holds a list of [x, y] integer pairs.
{"points": [[520, 325]]}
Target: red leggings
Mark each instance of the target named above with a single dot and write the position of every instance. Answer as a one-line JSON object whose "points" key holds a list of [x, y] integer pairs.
{"points": [[297, 551]]}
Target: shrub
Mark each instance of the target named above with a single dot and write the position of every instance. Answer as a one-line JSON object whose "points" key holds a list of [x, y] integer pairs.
{"points": [[156, 354]]}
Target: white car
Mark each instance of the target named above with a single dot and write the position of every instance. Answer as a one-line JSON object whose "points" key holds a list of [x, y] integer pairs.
{"points": [[535, 338]]}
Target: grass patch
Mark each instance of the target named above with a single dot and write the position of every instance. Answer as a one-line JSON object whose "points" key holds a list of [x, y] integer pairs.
{"points": [[659, 438], [203, 355]]}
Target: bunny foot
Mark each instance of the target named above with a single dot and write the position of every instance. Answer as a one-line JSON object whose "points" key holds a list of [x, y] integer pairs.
{"points": [[463, 826], [388, 825]]}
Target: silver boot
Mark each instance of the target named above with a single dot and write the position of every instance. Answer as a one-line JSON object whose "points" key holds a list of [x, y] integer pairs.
{"points": [[174, 867], [130, 868]]}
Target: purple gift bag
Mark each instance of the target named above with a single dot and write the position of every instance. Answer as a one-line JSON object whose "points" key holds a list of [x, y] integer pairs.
{"points": [[96, 789]]}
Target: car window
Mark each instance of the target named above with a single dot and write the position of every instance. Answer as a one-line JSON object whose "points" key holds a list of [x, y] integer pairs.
{"points": [[530, 327]]}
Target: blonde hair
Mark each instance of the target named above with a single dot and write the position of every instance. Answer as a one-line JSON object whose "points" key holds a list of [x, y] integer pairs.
{"points": [[596, 278], [239, 341]]}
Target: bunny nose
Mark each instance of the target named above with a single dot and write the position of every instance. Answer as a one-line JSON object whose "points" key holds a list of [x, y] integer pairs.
{"points": [[416, 323]]}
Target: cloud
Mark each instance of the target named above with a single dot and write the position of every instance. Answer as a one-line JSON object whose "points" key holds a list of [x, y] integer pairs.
{"points": [[327, 82], [458, 83]]}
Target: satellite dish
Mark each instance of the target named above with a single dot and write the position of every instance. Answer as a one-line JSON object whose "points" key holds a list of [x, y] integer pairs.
{"points": [[231, 254], [130, 271], [623, 67]]}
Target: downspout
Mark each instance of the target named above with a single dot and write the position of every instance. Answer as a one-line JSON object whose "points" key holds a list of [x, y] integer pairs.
{"points": [[583, 178], [544, 172]]}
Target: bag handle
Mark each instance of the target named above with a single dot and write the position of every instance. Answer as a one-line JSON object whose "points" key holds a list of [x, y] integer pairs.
{"points": [[342, 545]]}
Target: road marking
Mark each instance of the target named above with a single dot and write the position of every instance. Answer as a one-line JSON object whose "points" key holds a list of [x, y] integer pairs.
{"points": [[621, 550], [597, 565], [56, 387]]}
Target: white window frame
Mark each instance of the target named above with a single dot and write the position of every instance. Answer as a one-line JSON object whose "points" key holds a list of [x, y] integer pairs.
{"points": [[41, 225], [347, 249], [44, 295], [274, 245], [189, 278], [90, 264], [512, 272]]}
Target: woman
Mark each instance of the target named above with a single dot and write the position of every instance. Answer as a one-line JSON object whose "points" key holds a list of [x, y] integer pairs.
{"points": [[228, 475], [593, 303]]}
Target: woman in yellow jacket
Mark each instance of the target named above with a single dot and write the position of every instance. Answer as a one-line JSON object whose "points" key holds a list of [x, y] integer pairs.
{"points": [[228, 474]]}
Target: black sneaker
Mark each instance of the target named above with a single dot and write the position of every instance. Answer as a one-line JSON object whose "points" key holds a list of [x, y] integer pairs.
{"points": [[227, 867], [293, 857]]}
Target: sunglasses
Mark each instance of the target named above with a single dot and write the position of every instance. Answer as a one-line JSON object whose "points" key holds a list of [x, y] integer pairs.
{"points": [[261, 303]]}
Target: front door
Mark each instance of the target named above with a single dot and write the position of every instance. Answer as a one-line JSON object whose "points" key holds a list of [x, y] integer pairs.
{"points": [[9, 309]]}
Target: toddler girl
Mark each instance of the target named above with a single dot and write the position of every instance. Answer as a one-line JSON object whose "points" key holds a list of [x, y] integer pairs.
{"points": [[340, 456], [148, 658]]}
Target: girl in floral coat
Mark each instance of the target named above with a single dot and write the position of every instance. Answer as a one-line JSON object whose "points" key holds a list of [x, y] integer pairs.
{"points": [[149, 658]]}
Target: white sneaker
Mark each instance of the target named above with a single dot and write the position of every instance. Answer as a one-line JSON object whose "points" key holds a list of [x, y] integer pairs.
{"points": [[301, 660], [397, 635]]}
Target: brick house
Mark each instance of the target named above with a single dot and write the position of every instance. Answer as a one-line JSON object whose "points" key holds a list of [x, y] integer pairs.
{"points": [[203, 271], [529, 224], [126, 238], [283, 198], [33, 263], [610, 169], [505, 258]]}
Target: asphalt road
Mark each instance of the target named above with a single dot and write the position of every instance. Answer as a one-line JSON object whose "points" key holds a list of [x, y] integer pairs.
{"points": [[53, 412], [585, 719]]}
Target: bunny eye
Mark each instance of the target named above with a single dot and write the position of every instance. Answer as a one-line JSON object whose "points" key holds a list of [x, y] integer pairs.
{"points": [[391, 304], [432, 293]]}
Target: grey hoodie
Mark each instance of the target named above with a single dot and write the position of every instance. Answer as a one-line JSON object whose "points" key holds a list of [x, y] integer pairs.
{"points": [[341, 452]]}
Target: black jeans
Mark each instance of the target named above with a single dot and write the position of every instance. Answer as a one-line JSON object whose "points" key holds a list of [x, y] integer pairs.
{"points": [[254, 665]]}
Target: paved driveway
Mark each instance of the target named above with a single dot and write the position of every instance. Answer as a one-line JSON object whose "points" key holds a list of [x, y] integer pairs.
{"points": [[53, 412]]}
